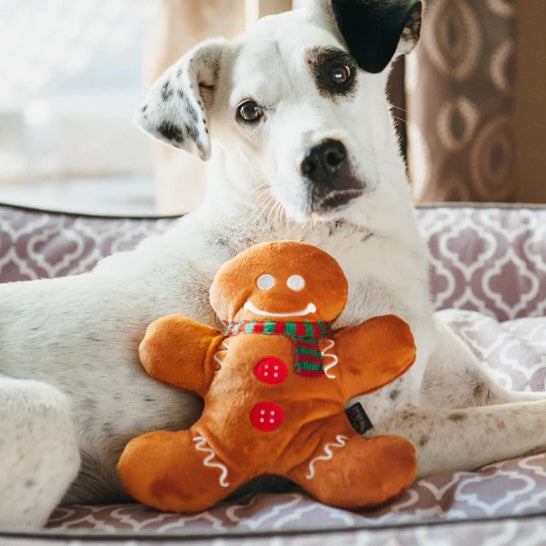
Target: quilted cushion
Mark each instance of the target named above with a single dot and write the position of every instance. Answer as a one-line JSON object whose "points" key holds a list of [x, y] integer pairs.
{"points": [[488, 262]]}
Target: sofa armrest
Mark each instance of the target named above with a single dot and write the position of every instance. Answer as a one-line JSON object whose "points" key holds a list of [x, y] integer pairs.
{"points": [[490, 259], [38, 244]]}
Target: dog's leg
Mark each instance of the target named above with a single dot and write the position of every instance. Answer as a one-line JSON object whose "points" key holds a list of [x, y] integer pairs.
{"points": [[466, 439], [465, 419], [38, 452]]}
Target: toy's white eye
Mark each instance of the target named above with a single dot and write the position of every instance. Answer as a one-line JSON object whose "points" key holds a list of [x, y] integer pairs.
{"points": [[265, 282], [295, 282]]}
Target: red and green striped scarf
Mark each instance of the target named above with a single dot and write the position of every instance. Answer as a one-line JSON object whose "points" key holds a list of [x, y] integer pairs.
{"points": [[305, 337]]}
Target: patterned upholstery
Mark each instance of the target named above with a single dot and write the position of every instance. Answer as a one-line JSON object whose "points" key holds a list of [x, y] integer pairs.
{"points": [[460, 102], [37, 245], [488, 259], [489, 263]]}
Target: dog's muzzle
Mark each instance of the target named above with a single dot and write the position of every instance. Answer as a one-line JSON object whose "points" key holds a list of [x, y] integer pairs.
{"points": [[327, 168]]}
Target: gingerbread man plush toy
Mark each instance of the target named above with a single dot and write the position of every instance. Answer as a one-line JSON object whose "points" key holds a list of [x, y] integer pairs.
{"points": [[274, 383]]}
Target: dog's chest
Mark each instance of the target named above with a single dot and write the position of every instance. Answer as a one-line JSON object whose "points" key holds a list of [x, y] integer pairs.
{"points": [[376, 270]]}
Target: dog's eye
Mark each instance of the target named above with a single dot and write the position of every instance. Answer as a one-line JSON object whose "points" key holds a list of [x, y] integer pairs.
{"points": [[249, 111], [340, 74]]}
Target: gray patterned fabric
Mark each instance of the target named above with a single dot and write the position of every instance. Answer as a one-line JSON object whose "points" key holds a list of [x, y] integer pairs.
{"points": [[488, 259], [506, 532], [489, 263], [36, 244]]}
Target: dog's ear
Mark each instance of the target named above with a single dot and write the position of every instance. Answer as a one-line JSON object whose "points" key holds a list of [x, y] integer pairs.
{"points": [[175, 109], [376, 30]]}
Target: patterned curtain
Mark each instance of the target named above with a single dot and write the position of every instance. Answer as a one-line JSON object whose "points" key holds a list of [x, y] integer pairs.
{"points": [[460, 102]]}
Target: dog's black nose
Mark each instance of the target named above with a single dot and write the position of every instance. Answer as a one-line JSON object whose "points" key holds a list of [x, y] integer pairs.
{"points": [[331, 182], [322, 162]]}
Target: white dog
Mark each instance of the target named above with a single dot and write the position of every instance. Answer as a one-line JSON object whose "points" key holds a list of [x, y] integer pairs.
{"points": [[295, 120]]}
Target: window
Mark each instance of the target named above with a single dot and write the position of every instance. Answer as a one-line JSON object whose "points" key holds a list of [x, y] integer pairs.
{"points": [[71, 78]]}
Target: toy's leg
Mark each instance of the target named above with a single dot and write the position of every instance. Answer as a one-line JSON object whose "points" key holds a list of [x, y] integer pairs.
{"points": [[176, 471], [353, 472]]}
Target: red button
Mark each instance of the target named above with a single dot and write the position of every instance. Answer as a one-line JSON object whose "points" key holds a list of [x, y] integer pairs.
{"points": [[266, 416], [271, 370]]}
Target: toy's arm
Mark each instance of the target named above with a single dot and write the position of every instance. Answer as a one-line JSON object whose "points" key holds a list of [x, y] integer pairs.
{"points": [[373, 353], [179, 351]]}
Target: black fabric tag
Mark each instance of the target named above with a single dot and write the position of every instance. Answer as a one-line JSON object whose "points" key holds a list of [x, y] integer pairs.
{"points": [[358, 418]]}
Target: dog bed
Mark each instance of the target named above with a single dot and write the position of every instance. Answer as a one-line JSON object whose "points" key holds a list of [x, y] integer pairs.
{"points": [[488, 278]]}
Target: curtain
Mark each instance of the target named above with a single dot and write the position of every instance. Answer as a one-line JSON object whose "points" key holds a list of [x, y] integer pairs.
{"points": [[460, 102]]}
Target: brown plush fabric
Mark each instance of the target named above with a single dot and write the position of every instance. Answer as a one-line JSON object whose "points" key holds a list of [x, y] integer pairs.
{"points": [[260, 415]]}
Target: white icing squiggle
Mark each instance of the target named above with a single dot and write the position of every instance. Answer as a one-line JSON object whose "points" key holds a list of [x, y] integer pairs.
{"points": [[333, 356], [224, 348], [200, 445], [340, 442]]}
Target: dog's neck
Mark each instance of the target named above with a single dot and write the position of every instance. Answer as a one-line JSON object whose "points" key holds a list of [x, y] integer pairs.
{"points": [[232, 182]]}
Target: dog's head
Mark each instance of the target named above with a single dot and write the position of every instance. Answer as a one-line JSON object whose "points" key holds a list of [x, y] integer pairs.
{"points": [[298, 104]]}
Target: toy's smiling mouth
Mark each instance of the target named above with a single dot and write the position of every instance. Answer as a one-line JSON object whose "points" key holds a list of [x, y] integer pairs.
{"points": [[249, 306]]}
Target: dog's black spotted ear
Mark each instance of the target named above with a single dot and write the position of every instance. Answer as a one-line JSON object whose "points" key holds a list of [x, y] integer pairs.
{"points": [[175, 109], [374, 30]]}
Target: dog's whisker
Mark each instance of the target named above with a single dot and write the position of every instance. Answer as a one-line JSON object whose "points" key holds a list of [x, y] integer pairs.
{"points": [[271, 217], [265, 209], [258, 190], [279, 214], [393, 106]]}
